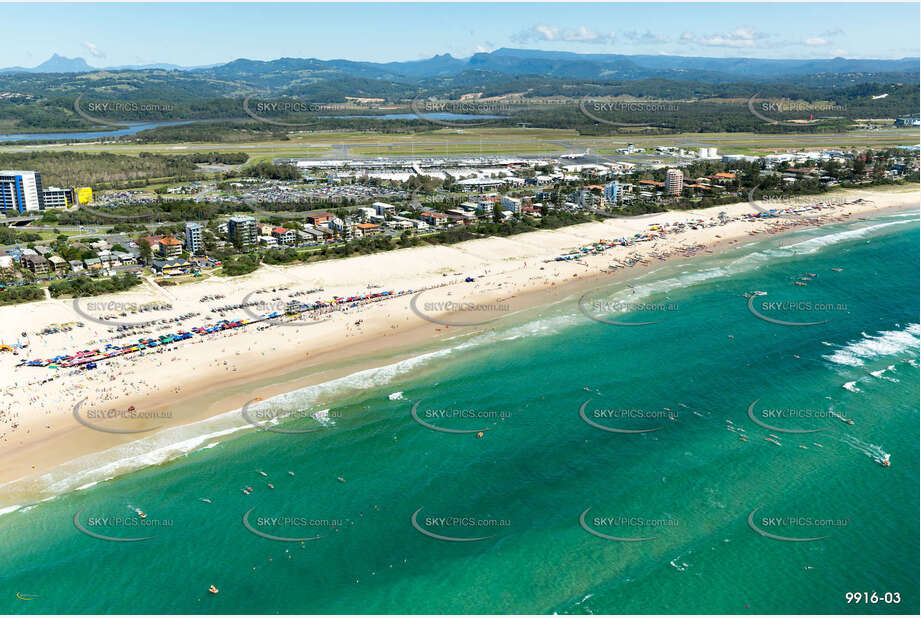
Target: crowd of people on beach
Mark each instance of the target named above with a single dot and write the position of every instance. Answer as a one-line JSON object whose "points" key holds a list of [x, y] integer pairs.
{"points": [[121, 375]]}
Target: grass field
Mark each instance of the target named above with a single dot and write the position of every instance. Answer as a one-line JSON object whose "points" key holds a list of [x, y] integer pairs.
{"points": [[495, 141]]}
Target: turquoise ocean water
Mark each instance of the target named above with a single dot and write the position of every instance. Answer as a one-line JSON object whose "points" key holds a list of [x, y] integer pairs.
{"points": [[689, 487]]}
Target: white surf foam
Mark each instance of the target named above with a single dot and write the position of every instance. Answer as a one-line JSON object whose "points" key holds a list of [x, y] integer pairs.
{"points": [[885, 343], [820, 242], [881, 374], [174, 442], [9, 509], [873, 451], [322, 417]]}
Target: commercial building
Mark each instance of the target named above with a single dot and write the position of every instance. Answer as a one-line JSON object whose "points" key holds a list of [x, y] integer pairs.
{"points": [[58, 198], [242, 230], [21, 191], [193, 241], [674, 182], [172, 267], [84, 195]]}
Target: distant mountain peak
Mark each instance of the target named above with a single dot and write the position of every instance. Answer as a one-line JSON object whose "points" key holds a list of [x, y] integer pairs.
{"points": [[62, 64]]}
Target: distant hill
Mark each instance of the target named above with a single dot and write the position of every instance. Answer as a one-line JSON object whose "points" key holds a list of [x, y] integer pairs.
{"points": [[45, 96], [569, 64], [288, 72], [55, 64], [62, 64]]}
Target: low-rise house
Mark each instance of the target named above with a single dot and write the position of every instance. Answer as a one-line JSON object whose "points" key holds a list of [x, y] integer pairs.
{"points": [[6, 262], [202, 261], [76, 266], [124, 257], [268, 241], [723, 177], [92, 263]]}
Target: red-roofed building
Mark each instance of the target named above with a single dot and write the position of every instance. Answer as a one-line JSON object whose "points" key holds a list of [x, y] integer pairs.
{"points": [[153, 241], [319, 218], [284, 236], [367, 229], [434, 218], [170, 247]]}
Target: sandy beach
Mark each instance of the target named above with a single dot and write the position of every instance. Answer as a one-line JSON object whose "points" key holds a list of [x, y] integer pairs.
{"points": [[212, 374]]}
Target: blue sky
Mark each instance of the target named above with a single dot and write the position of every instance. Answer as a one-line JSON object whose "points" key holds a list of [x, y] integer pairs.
{"points": [[195, 34]]}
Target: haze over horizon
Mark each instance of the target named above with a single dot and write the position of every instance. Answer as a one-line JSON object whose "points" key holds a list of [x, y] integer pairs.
{"points": [[105, 35]]}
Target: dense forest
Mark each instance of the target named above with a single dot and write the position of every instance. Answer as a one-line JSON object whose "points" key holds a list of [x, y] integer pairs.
{"points": [[107, 170], [253, 105]]}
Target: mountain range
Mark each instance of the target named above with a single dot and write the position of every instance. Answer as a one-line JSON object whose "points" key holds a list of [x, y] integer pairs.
{"points": [[62, 64], [521, 62]]}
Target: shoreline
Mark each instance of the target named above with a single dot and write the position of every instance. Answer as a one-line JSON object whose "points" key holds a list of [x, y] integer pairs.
{"points": [[203, 379]]}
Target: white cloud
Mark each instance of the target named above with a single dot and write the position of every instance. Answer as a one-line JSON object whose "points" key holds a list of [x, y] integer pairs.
{"points": [[93, 50], [736, 38], [815, 41], [647, 37], [544, 32]]}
